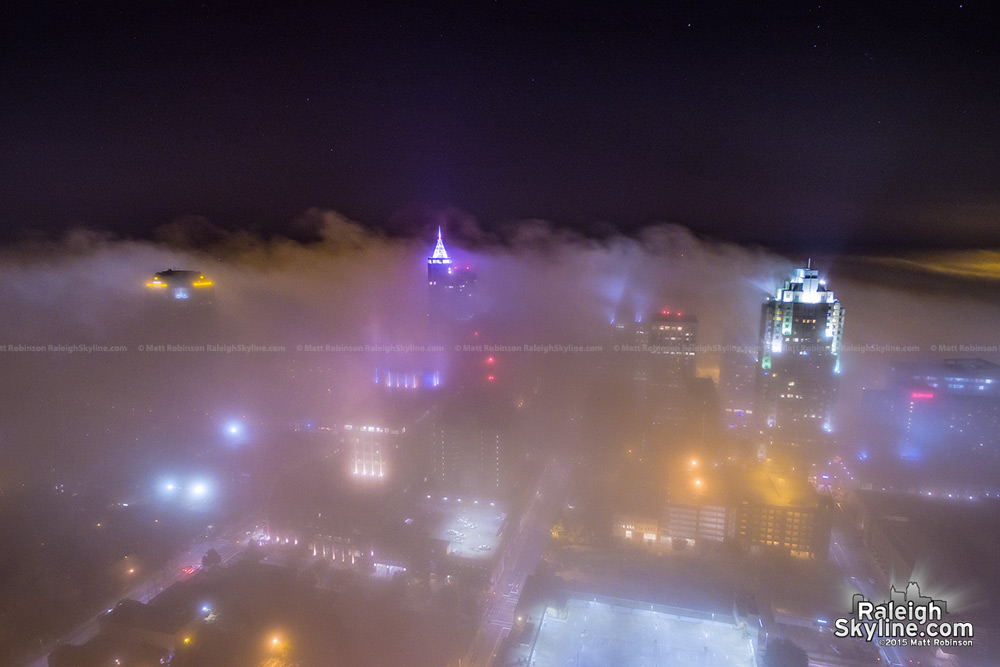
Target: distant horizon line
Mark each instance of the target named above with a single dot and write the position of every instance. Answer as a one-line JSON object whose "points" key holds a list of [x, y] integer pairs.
{"points": [[501, 234]]}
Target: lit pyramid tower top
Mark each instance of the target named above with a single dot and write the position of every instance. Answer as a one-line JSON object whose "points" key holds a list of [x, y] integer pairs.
{"points": [[440, 255], [450, 287]]}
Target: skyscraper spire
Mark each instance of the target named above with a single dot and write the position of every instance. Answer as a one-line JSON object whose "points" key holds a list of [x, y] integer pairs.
{"points": [[450, 287], [439, 250]]}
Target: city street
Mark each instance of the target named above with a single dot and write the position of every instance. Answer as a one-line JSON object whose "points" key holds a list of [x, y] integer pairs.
{"points": [[182, 566], [520, 559]]}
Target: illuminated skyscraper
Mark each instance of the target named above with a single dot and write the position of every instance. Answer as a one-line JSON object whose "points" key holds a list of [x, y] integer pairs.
{"points": [[438, 265], [670, 367], [799, 360], [449, 287], [672, 338]]}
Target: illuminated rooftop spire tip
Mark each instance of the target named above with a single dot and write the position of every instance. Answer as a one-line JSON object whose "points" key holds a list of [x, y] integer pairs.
{"points": [[439, 249]]}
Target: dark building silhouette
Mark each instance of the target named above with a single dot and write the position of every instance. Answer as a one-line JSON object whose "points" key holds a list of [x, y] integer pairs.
{"points": [[737, 372], [475, 445]]}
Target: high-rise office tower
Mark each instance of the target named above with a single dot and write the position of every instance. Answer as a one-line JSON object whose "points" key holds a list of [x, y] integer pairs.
{"points": [[670, 366], [658, 354], [663, 345], [672, 339], [737, 374], [439, 266], [799, 361], [468, 458], [474, 446], [449, 287]]}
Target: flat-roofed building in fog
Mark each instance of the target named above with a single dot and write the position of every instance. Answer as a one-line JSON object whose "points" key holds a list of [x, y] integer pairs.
{"points": [[371, 448], [475, 445], [778, 510], [757, 508]]}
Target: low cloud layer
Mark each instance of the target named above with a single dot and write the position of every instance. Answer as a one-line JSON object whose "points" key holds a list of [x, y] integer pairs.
{"points": [[537, 285]]}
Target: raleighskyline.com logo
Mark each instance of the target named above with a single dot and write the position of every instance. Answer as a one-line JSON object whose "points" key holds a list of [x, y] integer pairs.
{"points": [[907, 618]]}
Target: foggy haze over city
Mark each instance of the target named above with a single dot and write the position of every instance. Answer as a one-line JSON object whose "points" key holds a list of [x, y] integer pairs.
{"points": [[354, 288], [499, 336], [156, 398]]}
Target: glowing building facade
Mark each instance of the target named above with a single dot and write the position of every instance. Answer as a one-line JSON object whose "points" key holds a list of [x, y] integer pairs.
{"points": [[372, 450], [635, 528], [407, 379], [801, 330]]}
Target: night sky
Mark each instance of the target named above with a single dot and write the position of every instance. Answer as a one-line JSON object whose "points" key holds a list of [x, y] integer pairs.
{"points": [[829, 126]]}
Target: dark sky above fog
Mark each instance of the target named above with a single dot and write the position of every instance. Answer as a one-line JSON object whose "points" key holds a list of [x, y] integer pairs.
{"points": [[813, 125]]}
